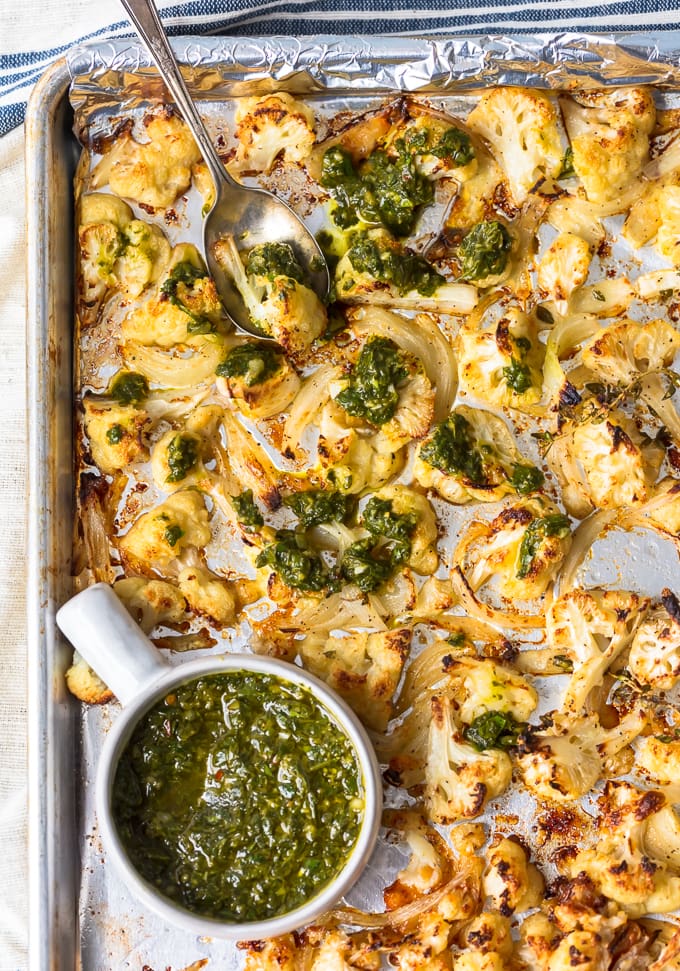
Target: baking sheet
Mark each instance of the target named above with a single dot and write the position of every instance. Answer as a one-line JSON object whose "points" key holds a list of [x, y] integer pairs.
{"points": [[108, 930]]}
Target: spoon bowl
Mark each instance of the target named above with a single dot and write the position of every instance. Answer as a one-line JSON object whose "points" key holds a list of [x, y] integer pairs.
{"points": [[248, 215]]}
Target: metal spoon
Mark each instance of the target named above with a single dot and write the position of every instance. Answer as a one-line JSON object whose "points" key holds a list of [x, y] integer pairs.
{"points": [[249, 215]]}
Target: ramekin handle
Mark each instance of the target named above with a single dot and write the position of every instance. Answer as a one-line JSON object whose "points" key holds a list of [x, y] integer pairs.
{"points": [[106, 636]]}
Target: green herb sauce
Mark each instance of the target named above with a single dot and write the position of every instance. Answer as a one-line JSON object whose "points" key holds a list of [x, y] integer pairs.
{"points": [[372, 391], [393, 264], [316, 506], [536, 532], [297, 565], [238, 796], [274, 259], [252, 361], [246, 511], [493, 729], [485, 250], [115, 434], [129, 388], [182, 457], [452, 448]]}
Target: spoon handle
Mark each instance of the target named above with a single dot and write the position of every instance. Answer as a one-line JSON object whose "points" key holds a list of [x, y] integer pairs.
{"points": [[144, 16]]}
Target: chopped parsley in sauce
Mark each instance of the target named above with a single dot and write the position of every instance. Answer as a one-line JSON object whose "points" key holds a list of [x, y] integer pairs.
{"points": [[238, 796]]}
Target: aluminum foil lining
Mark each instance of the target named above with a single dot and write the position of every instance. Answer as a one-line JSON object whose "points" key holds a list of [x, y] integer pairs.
{"points": [[121, 72]]}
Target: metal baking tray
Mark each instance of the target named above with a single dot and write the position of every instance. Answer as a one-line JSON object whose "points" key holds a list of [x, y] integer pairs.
{"points": [[81, 915]]}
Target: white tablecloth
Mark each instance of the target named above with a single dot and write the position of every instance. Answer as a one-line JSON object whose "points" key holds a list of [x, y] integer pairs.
{"points": [[39, 25]]}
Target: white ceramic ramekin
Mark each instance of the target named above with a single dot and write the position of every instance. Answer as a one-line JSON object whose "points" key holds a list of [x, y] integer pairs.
{"points": [[103, 632]]}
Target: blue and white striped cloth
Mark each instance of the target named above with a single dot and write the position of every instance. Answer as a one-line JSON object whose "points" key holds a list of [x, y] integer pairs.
{"points": [[20, 70]]}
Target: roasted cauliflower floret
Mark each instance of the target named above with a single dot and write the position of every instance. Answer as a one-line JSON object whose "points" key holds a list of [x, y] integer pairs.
{"points": [[590, 629], [423, 873], [157, 537], [459, 779], [472, 456], [376, 270], [153, 173], [563, 268], [351, 460], [422, 535], [117, 250], [659, 756], [609, 464], [609, 134], [85, 684], [387, 388], [521, 126], [523, 547], [636, 859], [272, 285], [186, 304], [668, 236], [151, 602], [654, 657], [364, 669], [115, 432], [501, 365], [565, 761], [276, 126], [179, 456], [207, 594], [483, 686], [510, 880], [260, 380], [488, 934], [625, 350]]}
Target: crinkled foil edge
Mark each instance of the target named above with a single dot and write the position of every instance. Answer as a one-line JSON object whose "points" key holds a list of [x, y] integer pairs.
{"points": [[120, 72]]}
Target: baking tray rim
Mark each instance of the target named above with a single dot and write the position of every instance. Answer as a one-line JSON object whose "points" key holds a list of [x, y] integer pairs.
{"points": [[53, 940]]}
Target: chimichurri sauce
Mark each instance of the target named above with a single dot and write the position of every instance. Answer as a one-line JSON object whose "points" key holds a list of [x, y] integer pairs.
{"points": [[238, 796]]}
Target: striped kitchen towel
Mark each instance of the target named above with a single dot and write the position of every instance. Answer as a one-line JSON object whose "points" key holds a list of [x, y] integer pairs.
{"points": [[35, 32]]}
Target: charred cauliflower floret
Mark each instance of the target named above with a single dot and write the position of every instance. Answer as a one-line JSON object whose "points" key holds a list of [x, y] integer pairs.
{"points": [[155, 172], [364, 669], [151, 602], [273, 289], [501, 365], [563, 762], [459, 779], [207, 594], [564, 267], [609, 134], [157, 537], [351, 460], [376, 269], [609, 464], [439, 150], [260, 380], [521, 125], [418, 518], [472, 456], [523, 547], [117, 250], [654, 657], [625, 350], [276, 126], [186, 305], [510, 880], [636, 859], [589, 629], [487, 935], [115, 432]]}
